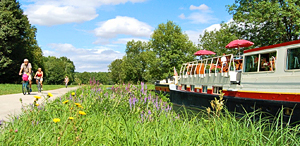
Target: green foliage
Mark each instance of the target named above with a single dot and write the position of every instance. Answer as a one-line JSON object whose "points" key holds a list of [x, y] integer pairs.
{"points": [[267, 22], [17, 42], [136, 64], [216, 40], [172, 48], [56, 70], [99, 77], [115, 70]]}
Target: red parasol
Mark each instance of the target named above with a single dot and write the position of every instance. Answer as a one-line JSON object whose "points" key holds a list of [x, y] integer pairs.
{"points": [[239, 43], [204, 52]]}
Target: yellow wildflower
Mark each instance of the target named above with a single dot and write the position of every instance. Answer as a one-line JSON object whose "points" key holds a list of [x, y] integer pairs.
{"points": [[78, 104], [49, 94], [65, 102], [73, 93], [37, 104], [71, 118], [37, 97], [82, 113], [55, 120]]}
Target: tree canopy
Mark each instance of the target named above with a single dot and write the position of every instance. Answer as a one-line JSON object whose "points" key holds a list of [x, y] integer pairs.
{"points": [[17, 42], [172, 48], [216, 40], [56, 69], [267, 22]]}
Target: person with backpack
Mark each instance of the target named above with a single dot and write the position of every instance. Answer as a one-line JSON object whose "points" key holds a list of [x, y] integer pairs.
{"points": [[26, 69]]}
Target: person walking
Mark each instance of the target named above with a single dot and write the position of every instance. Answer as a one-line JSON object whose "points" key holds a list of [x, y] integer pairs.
{"points": [[26, 69], [66, 81]]}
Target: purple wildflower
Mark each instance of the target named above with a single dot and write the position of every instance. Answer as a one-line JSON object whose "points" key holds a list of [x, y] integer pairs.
{"points": [[37, 122], [149, 112], [16, 130], [130, 103], [145, 99]]}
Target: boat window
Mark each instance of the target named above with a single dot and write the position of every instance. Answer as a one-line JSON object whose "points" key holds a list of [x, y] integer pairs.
{"points": [[193, 88], [292, 60], [217, 89], [251, 63], [267, 61], [204, 89]]}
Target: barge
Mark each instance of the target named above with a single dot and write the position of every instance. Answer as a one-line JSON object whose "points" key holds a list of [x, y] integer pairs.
{"points": [[263, 79]]}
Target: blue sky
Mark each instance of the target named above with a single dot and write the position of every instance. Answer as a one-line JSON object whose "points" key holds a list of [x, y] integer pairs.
{"points": [[93, 33]]}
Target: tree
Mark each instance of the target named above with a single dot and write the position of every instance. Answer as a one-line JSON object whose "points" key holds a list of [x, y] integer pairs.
{"points": [[115, 70], [267, 22], [135, 65], [57, 68], [171, 47], [17, 41], [216, 40]]}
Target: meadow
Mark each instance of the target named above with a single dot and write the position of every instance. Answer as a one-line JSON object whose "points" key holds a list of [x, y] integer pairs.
{"points": [[132, 115], [17, 88]]}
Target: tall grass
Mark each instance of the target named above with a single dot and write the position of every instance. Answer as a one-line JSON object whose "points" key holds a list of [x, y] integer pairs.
{"points": [[131, 115]]}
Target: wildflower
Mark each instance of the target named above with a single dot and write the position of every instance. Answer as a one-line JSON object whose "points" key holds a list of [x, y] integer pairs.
{"points": [[149, 112], [37, 97], [71, 118], [16, 130], [82, 113], [65, 102], [78, 104], [55, 120], [49, 94], [73, 93], [37, 104]]}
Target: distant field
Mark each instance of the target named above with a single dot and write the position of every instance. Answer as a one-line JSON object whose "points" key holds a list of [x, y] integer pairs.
{"points": [[17, 88]]}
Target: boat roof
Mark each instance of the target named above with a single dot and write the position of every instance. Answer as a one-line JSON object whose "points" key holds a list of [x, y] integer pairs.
{"points": [[272, 46]]}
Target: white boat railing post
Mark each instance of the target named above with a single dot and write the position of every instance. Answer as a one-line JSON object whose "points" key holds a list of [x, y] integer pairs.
{"points": [[216, 66], [211, 62], [200, 66], [180, 72], [195, 69]]}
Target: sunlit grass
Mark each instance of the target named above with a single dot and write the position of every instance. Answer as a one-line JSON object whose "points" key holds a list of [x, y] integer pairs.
{"points": [[17, 88], [131, 115]]}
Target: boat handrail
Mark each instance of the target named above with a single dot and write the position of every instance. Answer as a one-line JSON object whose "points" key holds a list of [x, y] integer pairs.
{"points": [[200, 67]]}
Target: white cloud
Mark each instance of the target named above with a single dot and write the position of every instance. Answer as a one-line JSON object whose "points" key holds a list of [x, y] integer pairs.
{"points": [[121, 25], [204, 16], [201, 18], [55, 12], [125, 40], [202, 7], [90, 60], [182, 16], [194, 34]]}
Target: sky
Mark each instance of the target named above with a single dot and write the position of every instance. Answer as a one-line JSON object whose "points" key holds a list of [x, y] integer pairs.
{"points": [[93, 33]]}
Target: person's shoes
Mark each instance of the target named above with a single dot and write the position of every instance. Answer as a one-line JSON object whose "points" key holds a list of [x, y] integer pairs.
{"points": [[30, 90]]}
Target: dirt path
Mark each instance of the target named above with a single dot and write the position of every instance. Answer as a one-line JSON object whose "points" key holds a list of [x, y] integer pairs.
{"points": [[10, 104]]}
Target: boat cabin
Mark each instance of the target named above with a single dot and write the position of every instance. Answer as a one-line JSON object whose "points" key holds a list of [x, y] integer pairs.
{"points": [[272, 68]]}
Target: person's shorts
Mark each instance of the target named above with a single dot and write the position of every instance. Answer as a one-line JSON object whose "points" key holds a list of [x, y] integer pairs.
{"points": [[29, 78], [39, 78]]}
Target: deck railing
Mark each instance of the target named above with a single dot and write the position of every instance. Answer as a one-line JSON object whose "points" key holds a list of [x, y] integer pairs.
{"points": [[208, 67]]}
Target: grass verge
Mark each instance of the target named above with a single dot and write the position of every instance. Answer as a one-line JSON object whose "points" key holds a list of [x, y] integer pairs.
{"points": [[17, 88]]}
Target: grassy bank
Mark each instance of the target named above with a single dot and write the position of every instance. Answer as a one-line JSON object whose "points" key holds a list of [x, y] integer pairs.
{"points": [[17, 88], [130, 115]]}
